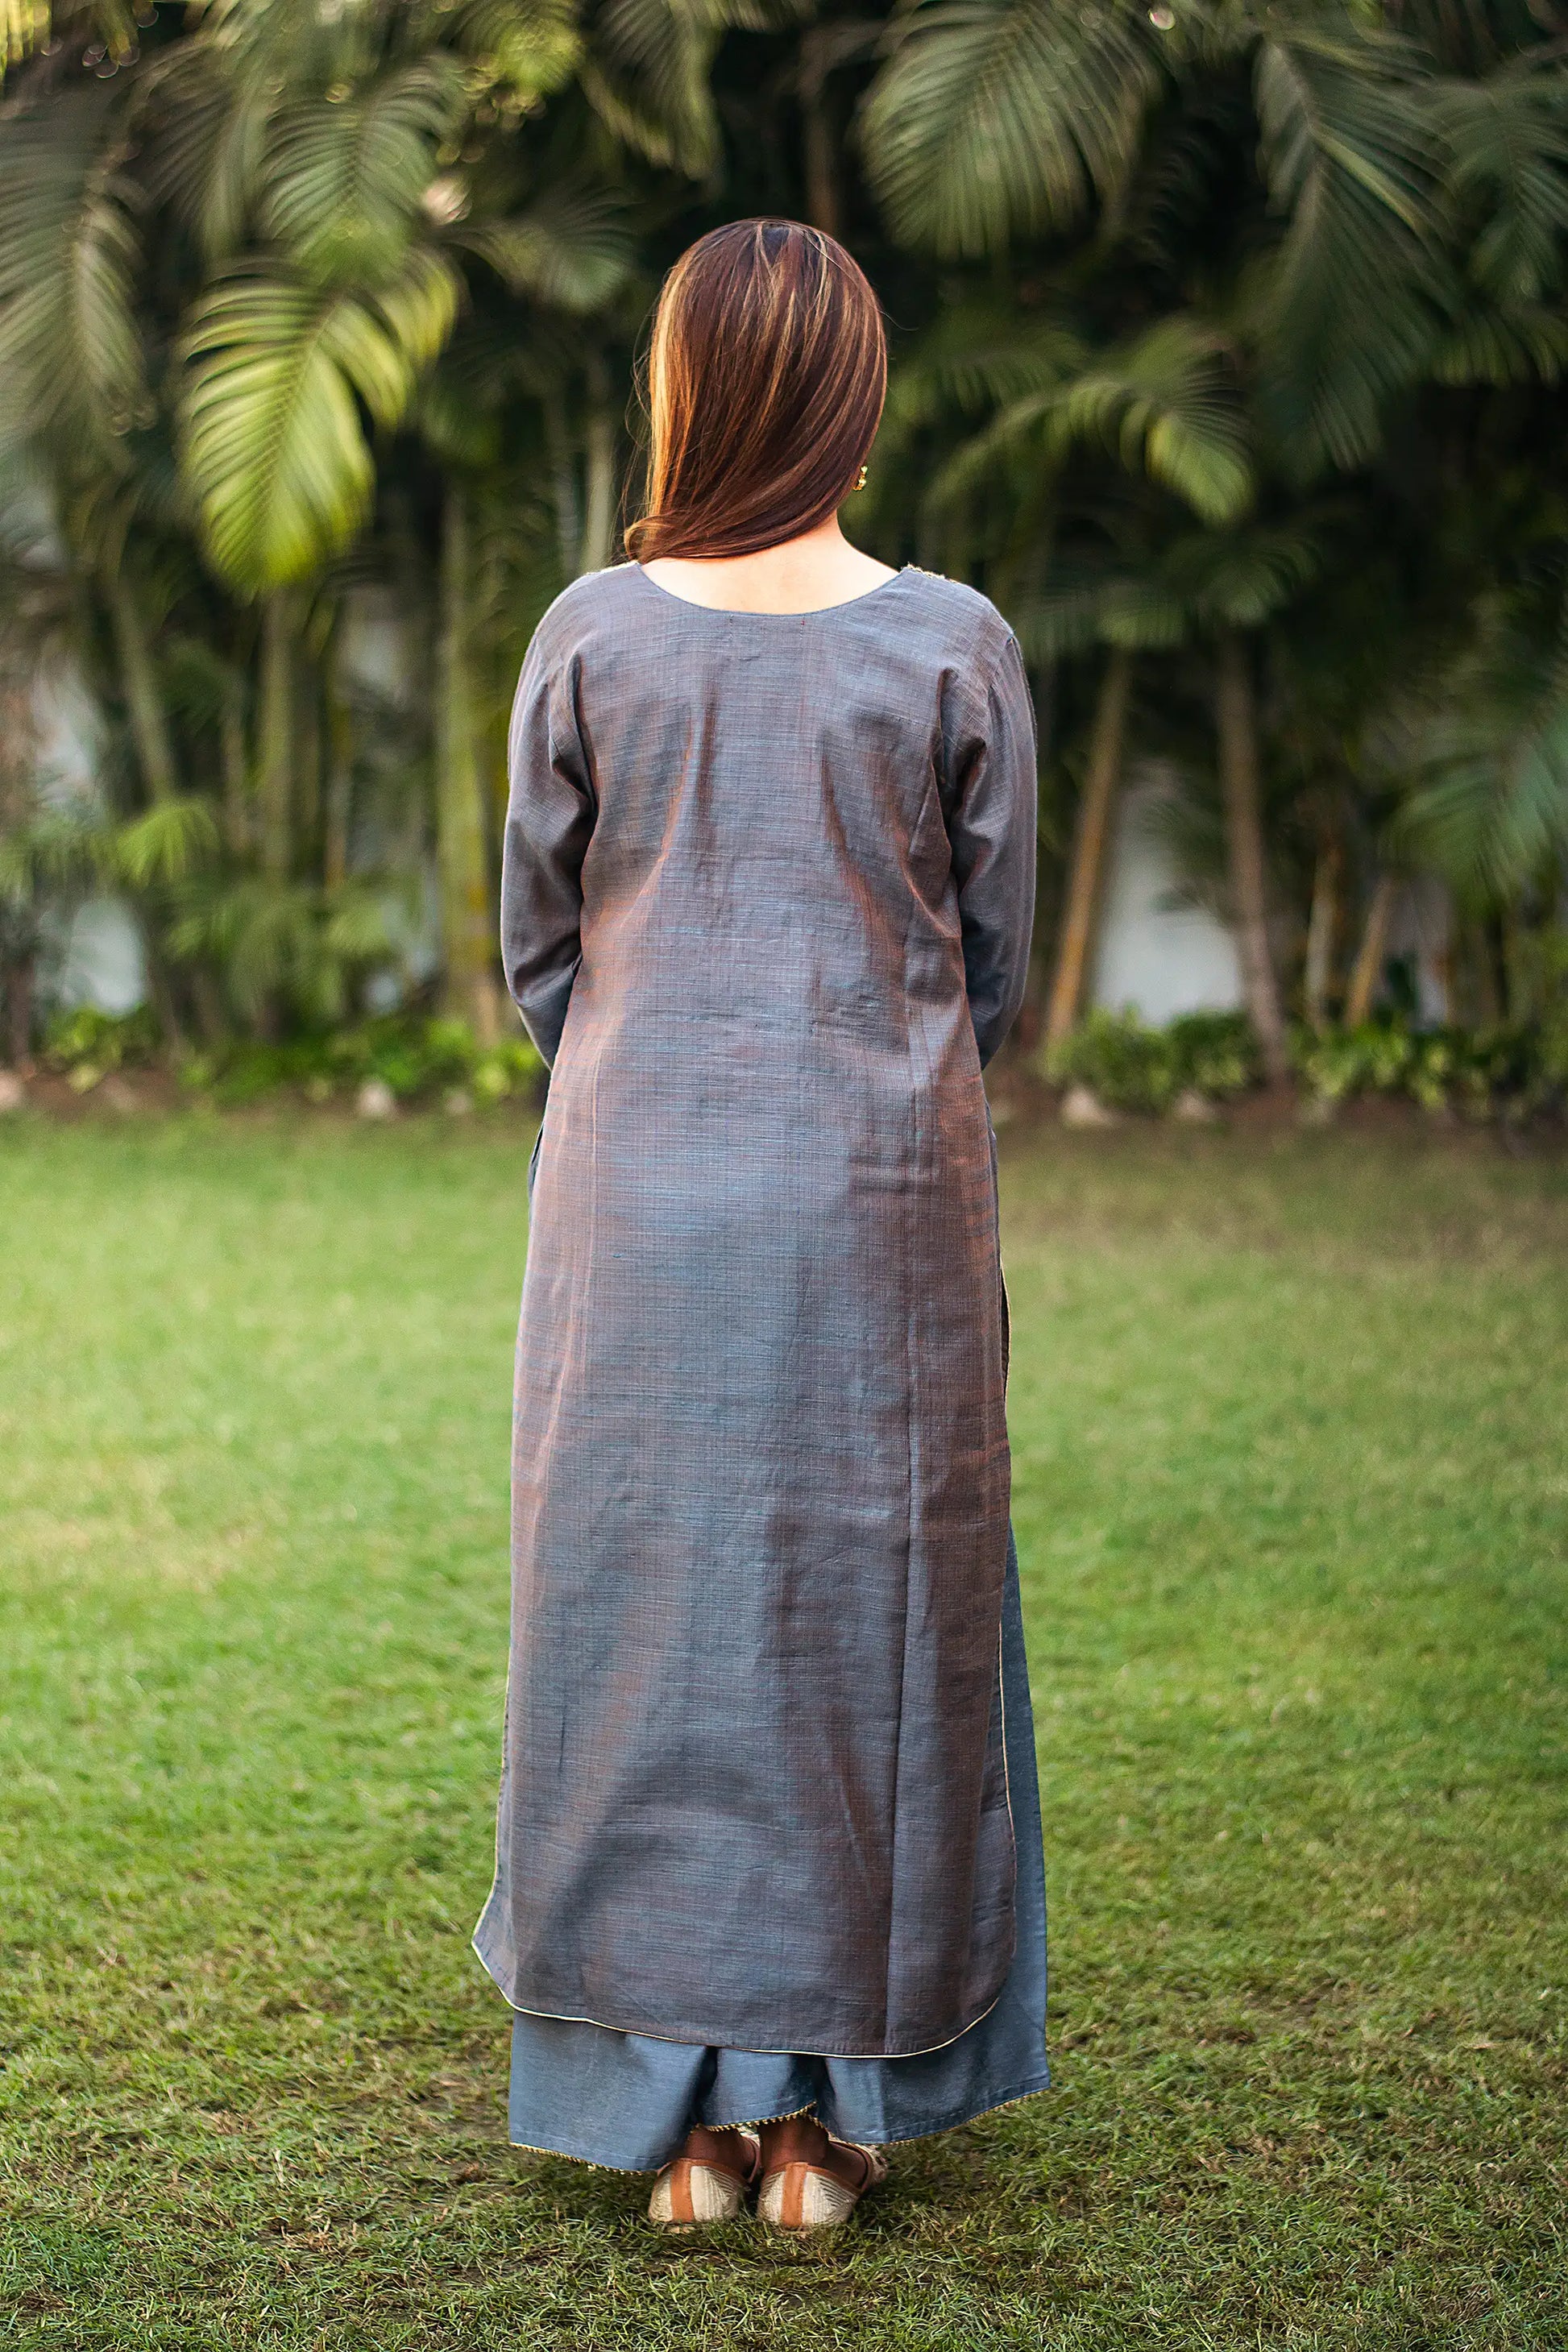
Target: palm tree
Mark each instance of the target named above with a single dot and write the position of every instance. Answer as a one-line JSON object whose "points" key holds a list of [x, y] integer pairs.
{"points": [[1012, 119], [338, 176], [1161, 406], [376, 230], [1399, 224], [1485, 771], [1196, 586], [295, 296]]}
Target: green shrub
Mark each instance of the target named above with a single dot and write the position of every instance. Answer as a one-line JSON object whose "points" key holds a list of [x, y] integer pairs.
{"points": [[1483, 1074], [418, 1059], [512, 1068], [1374, 1058], [84, 1045], [1215, 1054], [1135, 1067], [1127, 1066]]}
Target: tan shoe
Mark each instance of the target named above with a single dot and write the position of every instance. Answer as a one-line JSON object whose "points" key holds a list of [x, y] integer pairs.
{"points": [[804, 2195], [708, 2180]]}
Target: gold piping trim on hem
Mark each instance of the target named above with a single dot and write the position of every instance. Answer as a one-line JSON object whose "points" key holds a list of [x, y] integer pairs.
{"points": [[939, 2131], [750, 2049], [755, 2122], [688, 2041], [589, 2163], [633, 2171]]}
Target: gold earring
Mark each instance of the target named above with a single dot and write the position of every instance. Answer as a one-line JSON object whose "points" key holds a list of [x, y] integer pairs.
{"points": [[861, 483]]}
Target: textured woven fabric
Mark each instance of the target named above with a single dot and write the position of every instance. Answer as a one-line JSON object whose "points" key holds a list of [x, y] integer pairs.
{"points": [[765, 907], [626, 2101]]}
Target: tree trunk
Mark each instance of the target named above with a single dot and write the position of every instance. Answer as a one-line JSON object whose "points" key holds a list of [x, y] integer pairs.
{"points": [[276, 763], [563, 482], [18, 977], [459, 794], [161, 992], [236, 776], [1105, 755], [207, 998], [149, 723], [1321, 926], [1515, 964], [599, 505], [339, 826], [1030, 1025], [307, 792], [1368, 968], [820, 157], [1236, 722]]}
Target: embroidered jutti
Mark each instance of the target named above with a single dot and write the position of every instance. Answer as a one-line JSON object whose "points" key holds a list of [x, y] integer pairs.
{"points": [[766, 902]]}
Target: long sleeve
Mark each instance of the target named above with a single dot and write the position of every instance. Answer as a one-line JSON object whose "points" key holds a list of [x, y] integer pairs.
{"points": [[992, 827], [550, 818]]}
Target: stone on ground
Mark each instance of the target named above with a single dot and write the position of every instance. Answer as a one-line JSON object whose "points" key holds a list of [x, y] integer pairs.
{"points": [[1083, 1107], [376, 1099]]}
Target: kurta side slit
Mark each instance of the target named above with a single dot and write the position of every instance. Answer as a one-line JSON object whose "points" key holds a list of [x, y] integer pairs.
{"points": [[767, 903]]}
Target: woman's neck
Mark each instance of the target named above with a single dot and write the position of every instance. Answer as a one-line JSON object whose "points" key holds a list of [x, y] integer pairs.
{"points": [[801, 575]]}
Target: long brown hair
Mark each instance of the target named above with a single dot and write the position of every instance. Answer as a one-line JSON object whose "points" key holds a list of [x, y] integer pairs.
{"points": [[765, 381]]}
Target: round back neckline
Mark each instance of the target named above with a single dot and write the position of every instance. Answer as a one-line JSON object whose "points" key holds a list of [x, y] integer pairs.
{"points": [[743, 612]]}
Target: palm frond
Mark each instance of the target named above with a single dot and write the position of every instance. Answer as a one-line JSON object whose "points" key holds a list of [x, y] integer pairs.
{"points": [[71, 355], [1240, 579], [1494, 811], [1165, 404], [276, 46], [528, 47], [53, 850], [977, 357], [1469, 36], [290, 938], [342, 180], [275, 370], [997, 119], [572, 249], [1162, 404], [165, 843], [198, 681], [263, 934], [1507, 140], [205, 128], [1489, 805], [646, 73], [1077, 610], [357, 928], [460, 420], [1486, 345], [1356, 300]]}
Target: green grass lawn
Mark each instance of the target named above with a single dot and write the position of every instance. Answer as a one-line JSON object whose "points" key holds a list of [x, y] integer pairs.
{"points": [[1288, 1420]]}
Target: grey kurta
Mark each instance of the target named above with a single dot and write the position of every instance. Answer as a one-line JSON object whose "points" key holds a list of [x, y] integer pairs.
{"points": [[765, 908]]}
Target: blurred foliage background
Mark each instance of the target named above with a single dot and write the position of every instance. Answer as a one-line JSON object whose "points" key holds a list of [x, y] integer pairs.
{"points": [[1227, 340]]}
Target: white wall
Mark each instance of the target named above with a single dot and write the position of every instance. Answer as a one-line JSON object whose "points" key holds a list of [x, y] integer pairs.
{"points": [[70, 734], [100, 960], [103, 963], [1160, 960], [1420, 928]]}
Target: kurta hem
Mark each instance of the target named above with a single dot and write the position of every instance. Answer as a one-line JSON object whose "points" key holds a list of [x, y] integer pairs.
{"points": [[696, 2039], [628, 2101]]}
